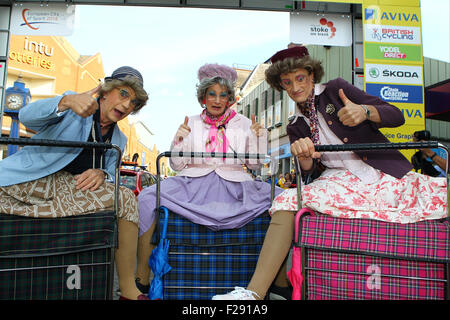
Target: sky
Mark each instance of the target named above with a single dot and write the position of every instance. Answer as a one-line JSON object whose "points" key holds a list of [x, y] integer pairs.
{"points": [[169, 45]]}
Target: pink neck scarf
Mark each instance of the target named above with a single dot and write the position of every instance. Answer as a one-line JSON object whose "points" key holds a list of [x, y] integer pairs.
{"points": [[217, 138]]}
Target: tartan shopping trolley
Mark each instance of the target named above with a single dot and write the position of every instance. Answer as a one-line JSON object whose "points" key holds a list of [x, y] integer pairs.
{"points": [[205, 262], [340, 258], [59, 258]]}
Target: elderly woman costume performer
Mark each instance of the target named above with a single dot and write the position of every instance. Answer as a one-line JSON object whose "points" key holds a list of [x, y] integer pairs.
{"points": [[360, 184], [214, 192], [41, 182]]}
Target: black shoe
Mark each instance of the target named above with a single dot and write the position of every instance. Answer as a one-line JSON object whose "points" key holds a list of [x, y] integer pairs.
{"points": [[144, 288], [280, 293]]}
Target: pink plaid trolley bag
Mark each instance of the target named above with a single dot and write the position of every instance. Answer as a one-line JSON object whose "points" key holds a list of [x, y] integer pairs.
{"points": [[365, 259]]}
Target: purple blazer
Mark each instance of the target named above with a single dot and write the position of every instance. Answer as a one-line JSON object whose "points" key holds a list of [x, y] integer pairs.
{"points": [[391, 162]]}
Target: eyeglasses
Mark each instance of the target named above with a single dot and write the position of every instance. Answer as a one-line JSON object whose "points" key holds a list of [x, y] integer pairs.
{"points": [[212, 95], [124, 94], [286, 84]]}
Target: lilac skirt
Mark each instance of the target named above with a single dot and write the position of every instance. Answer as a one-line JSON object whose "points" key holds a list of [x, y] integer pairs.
{"points": [[209, 200]]}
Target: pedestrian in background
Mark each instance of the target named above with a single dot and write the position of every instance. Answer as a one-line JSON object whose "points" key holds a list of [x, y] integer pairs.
{"points": [[426, 160]]}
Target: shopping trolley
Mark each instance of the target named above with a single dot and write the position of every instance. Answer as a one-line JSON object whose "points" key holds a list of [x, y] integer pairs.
{"points": [[59, 258], [340, 258], [205, 262]]}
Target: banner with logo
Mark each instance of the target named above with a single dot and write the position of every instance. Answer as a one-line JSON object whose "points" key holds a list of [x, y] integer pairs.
{"points": [[393, 64], [388, 73], [51, 19], [321, 29], [393, 52]]}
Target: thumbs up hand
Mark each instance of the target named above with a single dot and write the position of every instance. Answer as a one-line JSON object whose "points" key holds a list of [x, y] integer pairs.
{"points": [[351, 114], [183, 130], [83, 104], [256, 128]]}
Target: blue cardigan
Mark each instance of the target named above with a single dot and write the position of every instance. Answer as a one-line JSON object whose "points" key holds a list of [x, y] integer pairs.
{"points": [[34, 162]]}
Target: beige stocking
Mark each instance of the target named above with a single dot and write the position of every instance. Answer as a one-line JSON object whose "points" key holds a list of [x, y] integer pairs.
{"points": [[125, 258], [145, 248], [275, 249]]}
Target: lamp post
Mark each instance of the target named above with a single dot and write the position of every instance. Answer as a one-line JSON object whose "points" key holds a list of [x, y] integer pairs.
{"points": [[17, 97]]}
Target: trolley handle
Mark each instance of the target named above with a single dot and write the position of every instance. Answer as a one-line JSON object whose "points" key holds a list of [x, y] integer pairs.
{"points": [[376, 146], [56, 143], [183, 154], [383, 146], [370, 147], [180, 154], [73, 144]]}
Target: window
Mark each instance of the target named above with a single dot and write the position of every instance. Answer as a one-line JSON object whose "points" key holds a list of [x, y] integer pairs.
{"points": [[255, 108], [128, 181], [144, 181], [151, 178], [270, 97], [264, 99]]}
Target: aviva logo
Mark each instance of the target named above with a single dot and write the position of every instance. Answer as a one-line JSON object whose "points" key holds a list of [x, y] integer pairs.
{"points": [[385, 16], [370, 14]]}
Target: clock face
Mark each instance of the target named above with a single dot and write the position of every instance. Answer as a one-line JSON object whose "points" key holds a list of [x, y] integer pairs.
{"points": [[14, 102]]}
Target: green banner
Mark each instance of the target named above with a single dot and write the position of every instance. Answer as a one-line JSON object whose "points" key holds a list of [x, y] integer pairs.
{"points": [[393, 52]]}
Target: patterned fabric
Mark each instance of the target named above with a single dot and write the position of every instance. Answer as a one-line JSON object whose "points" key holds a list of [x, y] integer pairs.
{"points": [[217, 138], [56, 196], [205, 263], [208, 200], [337, 275], [339, 193], [426, 240], [369, 259], [310, 112], [36, 256]]}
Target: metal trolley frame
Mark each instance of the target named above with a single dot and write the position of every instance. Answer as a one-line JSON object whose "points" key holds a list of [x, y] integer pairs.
{"points": [[242, 252], [114, 228], [360, 147]]}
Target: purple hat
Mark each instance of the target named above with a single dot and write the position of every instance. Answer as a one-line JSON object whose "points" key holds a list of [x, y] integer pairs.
{"points": [[217, 70], [294, 52]]}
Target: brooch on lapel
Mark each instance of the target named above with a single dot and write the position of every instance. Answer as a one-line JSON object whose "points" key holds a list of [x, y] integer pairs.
{"points": [[330, 109]]}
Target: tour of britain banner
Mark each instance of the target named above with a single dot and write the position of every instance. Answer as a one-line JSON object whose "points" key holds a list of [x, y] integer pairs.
{"points": [[393, 64]]}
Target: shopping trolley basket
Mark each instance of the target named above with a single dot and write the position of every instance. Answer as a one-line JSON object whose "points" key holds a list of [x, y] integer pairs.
{"points": [[340, 258], [59, 258], [205, 262]]}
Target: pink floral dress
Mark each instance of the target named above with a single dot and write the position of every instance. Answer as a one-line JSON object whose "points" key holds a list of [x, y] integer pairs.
{"points": [[339, 193]]}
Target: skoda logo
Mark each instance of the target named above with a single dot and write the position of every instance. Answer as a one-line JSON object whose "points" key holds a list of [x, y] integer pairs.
{"points": [[374, 73]]}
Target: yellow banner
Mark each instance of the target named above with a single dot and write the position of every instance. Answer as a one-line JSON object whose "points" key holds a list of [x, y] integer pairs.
{"points": [[402, 134], [414, 113], [392, 15], [395, 26], [338, 1], [404, 3]]}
